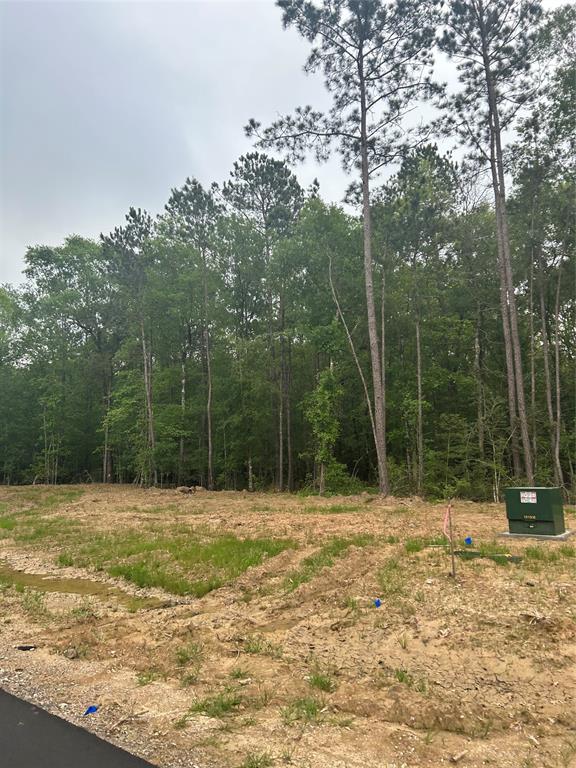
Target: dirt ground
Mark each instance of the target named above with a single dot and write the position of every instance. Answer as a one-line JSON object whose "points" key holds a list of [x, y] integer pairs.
{"points": [[479, 670]]}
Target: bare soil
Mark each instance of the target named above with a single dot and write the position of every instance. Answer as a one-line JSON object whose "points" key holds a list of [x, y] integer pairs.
{"points": [[477, 670]]}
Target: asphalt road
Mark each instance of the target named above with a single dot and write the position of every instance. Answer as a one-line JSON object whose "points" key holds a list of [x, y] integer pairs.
{"points": [[30, 737]]}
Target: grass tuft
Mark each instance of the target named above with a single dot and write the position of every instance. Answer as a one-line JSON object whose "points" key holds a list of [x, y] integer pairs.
{"points": [[306, 710], [218, 706]]}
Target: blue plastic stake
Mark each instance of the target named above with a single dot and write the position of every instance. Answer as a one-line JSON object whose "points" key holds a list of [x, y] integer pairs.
{"points": [[468, 541], [91, 710], [377, 603]]}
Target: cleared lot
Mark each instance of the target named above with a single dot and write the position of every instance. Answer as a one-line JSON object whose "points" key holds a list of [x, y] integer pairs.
{"points": [[229, 629]]}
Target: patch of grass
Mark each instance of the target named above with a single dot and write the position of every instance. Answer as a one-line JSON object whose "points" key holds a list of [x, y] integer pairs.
{"points": [[83, 613], [391, 578], [239, 674], [322, 680], [7, 523], [190, 678], [65, 559], [544, 555], [331, 509], [147, 676], [259, 645], [418, 544], [323, 558], [404, 677], [218, 706], [190, 653], [263, 698], [489, 548], [34, 605], [172, 560], [306, 710], [257, 760]]}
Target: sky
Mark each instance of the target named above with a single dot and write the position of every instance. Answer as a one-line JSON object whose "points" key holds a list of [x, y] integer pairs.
{"points": [[107, 105]]}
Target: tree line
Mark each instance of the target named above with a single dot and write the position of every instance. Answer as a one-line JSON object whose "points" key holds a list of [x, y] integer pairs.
{"points": [[254, 336]]}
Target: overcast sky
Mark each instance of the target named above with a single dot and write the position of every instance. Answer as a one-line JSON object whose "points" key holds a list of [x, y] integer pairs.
{"points": [[111, 104]]}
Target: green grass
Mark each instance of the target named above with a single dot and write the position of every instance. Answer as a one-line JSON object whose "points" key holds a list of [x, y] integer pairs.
{"points": [[178, 559], [181, 561], [306, 710], [191, 653], [391, 578], [418, 544], [545, 555], [146, 677], [257, 760], [23, 515], [239, 674], [322, 680], [323, 558], [218, 706]]}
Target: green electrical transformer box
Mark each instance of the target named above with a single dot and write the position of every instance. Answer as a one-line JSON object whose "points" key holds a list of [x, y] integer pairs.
{"points": [[535, 511]]}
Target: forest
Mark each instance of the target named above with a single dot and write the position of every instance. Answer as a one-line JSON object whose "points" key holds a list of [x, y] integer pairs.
{"points": [[418, 339]]}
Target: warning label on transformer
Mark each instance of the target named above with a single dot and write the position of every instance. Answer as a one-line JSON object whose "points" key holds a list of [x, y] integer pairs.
{"points": [[527, 497]]}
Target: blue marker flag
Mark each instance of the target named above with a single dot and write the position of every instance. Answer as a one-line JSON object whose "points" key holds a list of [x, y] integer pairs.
{"points": [[91, 709], [468, 541], [377, 602]]}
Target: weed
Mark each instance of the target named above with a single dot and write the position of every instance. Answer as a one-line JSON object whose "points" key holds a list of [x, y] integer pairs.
{"points": [[403, 641], [83, 613], [181, 723], [390, 578], [258, 644], [190, 678], [33, 604], [263, 698], [221, 704], [260, 760], [239, 674], [404, 677], [322, 680], [65, 559], [306, 710], [146, 676], [191, 652]]}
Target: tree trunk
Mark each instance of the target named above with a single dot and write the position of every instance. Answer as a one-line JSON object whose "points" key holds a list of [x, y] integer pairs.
{"points": [[558, 424], [383, 345], [151, 436], [106, 468], [546, 366], [183, 415], [322, 479], [419, 426], [379, 432], [503, 241], [479, 384], [250, 475], [210, 479], [288, 381], [281, 373]]}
